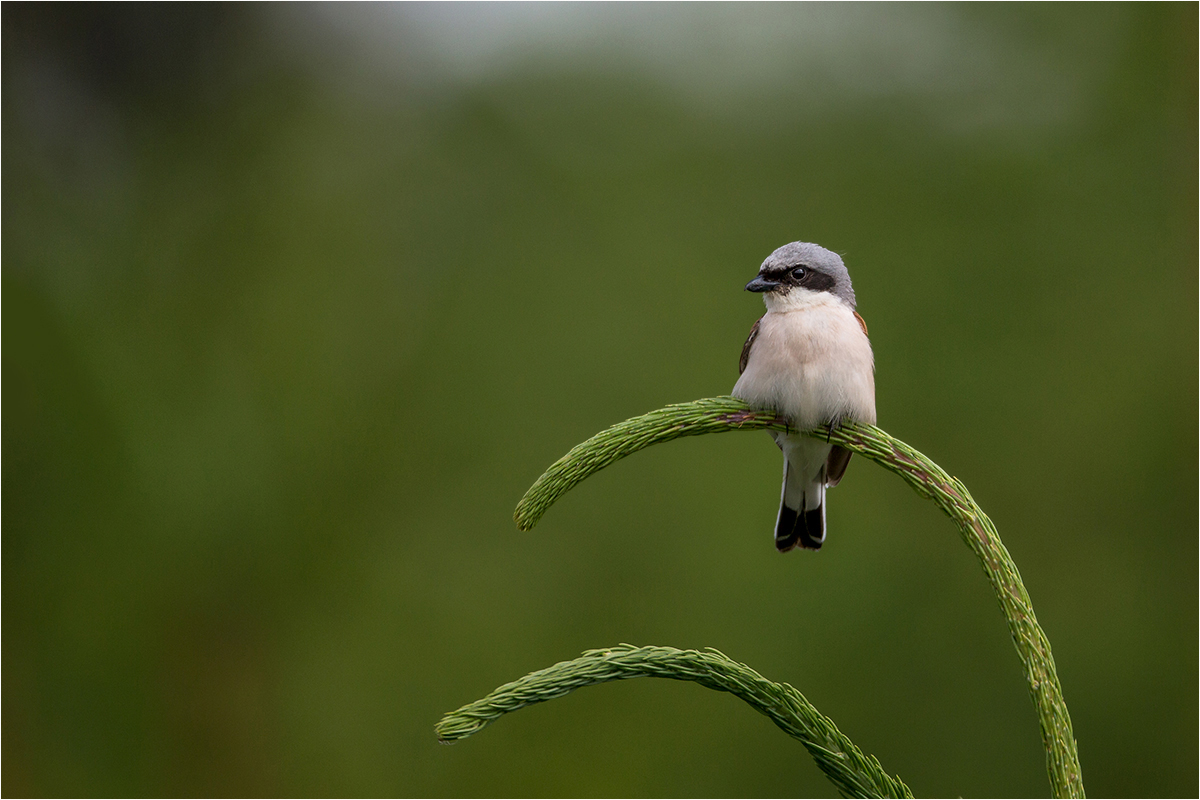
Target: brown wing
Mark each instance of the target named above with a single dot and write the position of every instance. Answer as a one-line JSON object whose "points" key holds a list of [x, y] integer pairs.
{"points": [[862, 323], [835, 465], [745, 359]]}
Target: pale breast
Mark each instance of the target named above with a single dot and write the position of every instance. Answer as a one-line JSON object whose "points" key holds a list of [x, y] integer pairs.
{"points": [[812, 364]]}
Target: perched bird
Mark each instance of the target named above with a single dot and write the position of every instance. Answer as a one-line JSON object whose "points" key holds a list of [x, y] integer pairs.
{"points": [[808, 359]]}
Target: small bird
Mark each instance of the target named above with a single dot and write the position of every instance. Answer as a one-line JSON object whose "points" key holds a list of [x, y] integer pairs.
{"points": [[808, 359]]}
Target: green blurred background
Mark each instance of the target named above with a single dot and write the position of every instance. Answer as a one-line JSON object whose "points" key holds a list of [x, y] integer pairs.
{"points": [[298, 300]]}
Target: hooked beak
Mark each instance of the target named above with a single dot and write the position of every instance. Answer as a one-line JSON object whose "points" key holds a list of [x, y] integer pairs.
{"points": [[759, 284]]}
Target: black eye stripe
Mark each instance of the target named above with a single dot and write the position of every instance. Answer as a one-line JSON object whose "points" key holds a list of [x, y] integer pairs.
{"points": [[813, 279], [818, 281]]}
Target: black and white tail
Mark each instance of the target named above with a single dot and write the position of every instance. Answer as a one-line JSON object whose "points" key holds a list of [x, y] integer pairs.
{"points": [[801, 520]]}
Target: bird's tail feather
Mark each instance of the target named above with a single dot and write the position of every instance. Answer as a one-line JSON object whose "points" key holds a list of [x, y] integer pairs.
{"points": [[801, 520]]}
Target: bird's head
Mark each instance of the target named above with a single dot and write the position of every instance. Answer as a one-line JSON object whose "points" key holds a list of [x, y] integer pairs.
{"points": [[798, 273]]}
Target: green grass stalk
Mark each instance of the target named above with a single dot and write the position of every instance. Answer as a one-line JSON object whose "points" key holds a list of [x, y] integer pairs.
{"points": [[854, 774], [720, 414]]}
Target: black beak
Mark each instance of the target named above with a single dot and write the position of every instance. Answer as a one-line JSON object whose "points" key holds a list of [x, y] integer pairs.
{"points": [[759, 284]]}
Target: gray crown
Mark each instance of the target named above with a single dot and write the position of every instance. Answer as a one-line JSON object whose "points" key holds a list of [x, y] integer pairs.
{"points": [[814, 257]]}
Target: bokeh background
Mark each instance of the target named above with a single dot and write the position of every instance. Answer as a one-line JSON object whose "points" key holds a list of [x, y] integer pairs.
{"points": [[298, 300]]}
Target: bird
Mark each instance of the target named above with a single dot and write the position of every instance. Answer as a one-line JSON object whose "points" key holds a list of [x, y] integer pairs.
{"points": [[807, 359]]}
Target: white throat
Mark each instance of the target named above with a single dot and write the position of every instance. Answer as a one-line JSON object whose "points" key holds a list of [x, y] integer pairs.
{"points": [[799, 299]]}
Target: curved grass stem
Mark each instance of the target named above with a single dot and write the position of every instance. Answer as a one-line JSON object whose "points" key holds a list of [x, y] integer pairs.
{"points": [[719, 414], [854, 774]]}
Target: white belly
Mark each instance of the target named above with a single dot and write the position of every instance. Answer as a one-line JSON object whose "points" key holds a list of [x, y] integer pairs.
{"points": [[812, 363]]}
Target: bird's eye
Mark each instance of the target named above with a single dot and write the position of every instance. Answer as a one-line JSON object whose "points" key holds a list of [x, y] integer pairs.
{"points": [[799, 272]]}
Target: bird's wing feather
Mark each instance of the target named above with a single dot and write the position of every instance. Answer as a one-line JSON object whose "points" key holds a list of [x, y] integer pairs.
{"points": [[745, 358], [835, 465]]}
